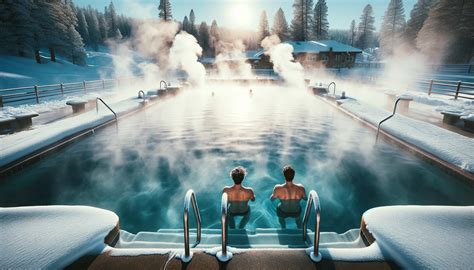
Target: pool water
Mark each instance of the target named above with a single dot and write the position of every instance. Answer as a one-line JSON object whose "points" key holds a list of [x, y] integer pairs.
{"points": [[142, 169]]}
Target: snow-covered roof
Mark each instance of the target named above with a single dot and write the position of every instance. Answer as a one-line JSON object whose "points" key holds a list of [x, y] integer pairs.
{"points": [[321, 46]]}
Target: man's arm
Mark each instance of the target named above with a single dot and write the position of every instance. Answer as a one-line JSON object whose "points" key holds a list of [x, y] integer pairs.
{"points": [[274, 194], [252, 195], [304, 194]]}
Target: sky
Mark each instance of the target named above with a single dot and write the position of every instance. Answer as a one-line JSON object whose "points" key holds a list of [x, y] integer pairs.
{"points": [[245, 13]]}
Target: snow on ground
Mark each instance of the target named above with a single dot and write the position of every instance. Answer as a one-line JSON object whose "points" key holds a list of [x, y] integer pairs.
{"points": [[441, 103], [446, 145], [424, 237], [51, 237], [17, 145]]}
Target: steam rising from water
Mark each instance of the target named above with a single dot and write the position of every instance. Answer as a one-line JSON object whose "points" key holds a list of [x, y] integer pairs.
{"points": [[184, 55], [281, 54], [231, 60]]}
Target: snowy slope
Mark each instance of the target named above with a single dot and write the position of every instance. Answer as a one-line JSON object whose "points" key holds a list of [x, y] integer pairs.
{"points": [[446, 145], [424, 237], [18, 71], [51, 237]]}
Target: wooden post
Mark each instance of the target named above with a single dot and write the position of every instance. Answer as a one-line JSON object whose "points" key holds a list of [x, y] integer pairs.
{"points": [[1, 101], [470, 69], [84, 83], [457, 90], [62, 90], [36, 94], [431, 87]]}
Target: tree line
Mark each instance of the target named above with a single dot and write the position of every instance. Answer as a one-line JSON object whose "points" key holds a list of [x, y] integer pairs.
{"points": [[28, 26]]}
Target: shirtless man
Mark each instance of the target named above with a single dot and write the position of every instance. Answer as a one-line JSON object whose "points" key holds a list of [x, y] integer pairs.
{"points": [[239, 197], [290, 195]]}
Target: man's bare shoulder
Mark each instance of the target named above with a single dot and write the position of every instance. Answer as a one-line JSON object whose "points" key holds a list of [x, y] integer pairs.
{"points": [[227, 189]]}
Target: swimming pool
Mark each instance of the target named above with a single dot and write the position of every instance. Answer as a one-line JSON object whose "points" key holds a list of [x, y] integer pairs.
{"points": [[142, 169]]}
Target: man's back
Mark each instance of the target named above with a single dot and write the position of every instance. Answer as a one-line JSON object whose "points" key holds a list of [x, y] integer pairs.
{"points": [[289, 191], [239, 194]]}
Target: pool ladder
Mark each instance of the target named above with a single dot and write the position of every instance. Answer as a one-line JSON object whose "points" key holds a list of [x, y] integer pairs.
{"points": [[190, 201], [390, 116], [313, 200]]}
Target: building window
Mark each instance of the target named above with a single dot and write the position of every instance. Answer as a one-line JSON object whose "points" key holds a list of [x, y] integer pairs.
{"points": [[350, 59], [324, 58], [339, 58]]}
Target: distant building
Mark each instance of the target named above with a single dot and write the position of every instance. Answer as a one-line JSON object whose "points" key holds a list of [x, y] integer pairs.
{"points": [[311, 54], [316, 54]]}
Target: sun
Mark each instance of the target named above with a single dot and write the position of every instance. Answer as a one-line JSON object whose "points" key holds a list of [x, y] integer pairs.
{"points": [[240, 14]]}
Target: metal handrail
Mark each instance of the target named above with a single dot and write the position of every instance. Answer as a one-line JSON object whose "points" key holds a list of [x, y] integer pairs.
{"points": [[166, 84], [394, 111], [190, 200], [103, 102], [142, 96], [332, 83], [224, 255], [313, 200]]}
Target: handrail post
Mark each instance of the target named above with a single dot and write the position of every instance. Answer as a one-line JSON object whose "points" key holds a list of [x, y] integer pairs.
{"points": [[332, 83], [393, 113], [36, 94], [190, 200], [431, 87], [313, 201], [62, 89], [84, 84], [163, 81], [224, 255], [108, 107], [458, 87]]}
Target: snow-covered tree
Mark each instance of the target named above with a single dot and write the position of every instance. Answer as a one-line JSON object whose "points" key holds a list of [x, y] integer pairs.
{"points": [[54, 25], [17, 28], [102, 28], [365, 31], [352, 32], [263, 28], [320, 20], [204, 39], [192, 24], [95, 37], [393, 25], [185, 24], [76, 54], [111, 18], [448, 32], [164, 9], [301, 25], [418, 16], [280, 26], [214, 37], [82, 26]]}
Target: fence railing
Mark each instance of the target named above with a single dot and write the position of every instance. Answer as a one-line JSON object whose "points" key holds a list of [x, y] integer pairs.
{"points": [[456, 89], [37, 93], [448, 68]]}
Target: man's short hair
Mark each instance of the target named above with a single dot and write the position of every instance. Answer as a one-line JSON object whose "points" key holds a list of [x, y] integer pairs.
{"points": [[238, 174], [289, 173]]}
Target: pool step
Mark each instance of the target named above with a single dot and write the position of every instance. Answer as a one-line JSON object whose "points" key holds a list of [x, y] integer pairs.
{"points": [[259, 238]]}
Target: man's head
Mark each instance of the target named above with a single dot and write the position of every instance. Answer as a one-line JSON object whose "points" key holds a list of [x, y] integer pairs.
{"points": [[289, 173], [238, 174]]}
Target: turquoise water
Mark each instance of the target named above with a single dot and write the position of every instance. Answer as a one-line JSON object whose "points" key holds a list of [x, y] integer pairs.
{"points": [[142, 169]]}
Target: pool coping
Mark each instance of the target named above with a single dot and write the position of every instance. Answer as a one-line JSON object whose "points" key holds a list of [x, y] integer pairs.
{"points": [[20, 163], [418, 152]]}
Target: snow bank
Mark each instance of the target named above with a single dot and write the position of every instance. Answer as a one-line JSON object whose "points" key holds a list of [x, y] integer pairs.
{"points": [[51, 236], [444, 144], [15, 146], [424, 237]]}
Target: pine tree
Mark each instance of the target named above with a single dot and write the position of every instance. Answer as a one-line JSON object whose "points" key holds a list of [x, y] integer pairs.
{"points": [[280, 26], [302, 20], [95, 36], [102, 28], [418, 15], [18, 27], [393, 25], [54, 25], [82, 26], [192, 25], [352, 33], [366, 29], [111, 21], [185, 24], [321, 24], [77, 54], [263, 30], [448, 32], [165, 10], [204, 38], [214, 37]]}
